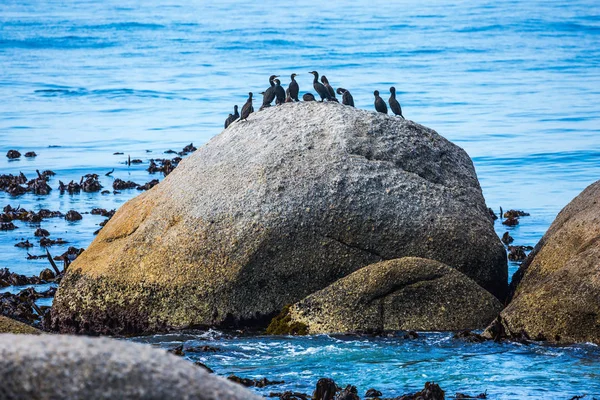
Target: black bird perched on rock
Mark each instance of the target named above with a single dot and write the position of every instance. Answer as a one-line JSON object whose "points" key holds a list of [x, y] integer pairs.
{"points": [[279, 92], [232, 117], [347, 98], [269, 94], [379, 103], [293, 88], [325, 83], [394, 104], [247, 109], [308, 97], [319, 87]]}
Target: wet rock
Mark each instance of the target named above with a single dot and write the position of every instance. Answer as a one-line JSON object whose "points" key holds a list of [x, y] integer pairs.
{"points": [[69, 367], [12, 154], [325, 390], [45, 213], [103, 212], [203, 366], [136, 161], [271, 211], [170, 151], [90, 183], [166, 167], [30, 154], [9, 325], [190, 148], [515, 214], [69, 256], [39, 185], [47, 275], [177, 351], [202, 349], [404, 294], [7, 226], [39, 232], [470, 337], [555, 293], [511, 221], [466, 396], [24, 244], [517, 253], [411, 335], [349, 393], [73, 215], [373, 393], [47, 242], [289, 395], [492, 214], [118, 153], [71, 188], [148, 185], [253, 382], [507, 239], [432, 391], [120, 184], [48, 173]]}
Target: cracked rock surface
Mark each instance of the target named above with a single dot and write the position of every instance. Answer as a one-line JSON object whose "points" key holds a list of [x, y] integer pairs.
{"points": [[274, 209], [404, 294]]}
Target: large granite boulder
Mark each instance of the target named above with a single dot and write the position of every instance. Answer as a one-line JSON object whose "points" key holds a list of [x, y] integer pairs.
{"points": [[404, 294], [67, 367], [9, 325], [556, 291], [274, 209]]}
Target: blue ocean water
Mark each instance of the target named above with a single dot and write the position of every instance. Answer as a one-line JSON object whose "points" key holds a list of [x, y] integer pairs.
{"points": [[515, 83]]}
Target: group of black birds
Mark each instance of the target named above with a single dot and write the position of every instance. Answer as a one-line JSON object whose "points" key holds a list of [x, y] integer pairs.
{"points": [[325, 91]]}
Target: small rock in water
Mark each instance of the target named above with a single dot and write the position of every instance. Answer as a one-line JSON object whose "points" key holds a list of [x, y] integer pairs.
{"points": [[259, 383], [492, 214], [515, 214], [205, 349], [13, 154], [190, 148], [118, 153], [411, 335], [290, 395], [7, 226], [511, 221], [178, 350], [30, 154], [73, 215], [373, 393], [325, 390], [466, 396], [507, 239], [202, 365], [136, 161], [170, 151], [47, 274], [46, 242], [48, 173], [469, 337], [120, 184], [90, 183], [349, 393], [517, 253], [72, 187], [148, 185], [24, 244]]}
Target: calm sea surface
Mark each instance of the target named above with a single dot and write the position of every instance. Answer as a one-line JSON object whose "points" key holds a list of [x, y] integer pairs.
{"points": [[515, 83]]}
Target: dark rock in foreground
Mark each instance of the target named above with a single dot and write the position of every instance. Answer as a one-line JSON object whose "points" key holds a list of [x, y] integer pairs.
{"points": [[67, 367], [8, 325], [274, 209], [404, 294], [557, 289]]}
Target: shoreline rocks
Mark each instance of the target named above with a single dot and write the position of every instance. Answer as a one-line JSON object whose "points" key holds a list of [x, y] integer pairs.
{"points": [[555, 294], [398, 295], [68, 367], [274, 209], [9, 325]]}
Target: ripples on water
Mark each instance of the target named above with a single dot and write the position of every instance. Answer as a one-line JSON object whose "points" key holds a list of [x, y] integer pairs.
{"points": [[515, 83]]}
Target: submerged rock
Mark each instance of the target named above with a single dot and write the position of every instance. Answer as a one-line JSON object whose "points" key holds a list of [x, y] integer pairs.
{"points": [[68, 367], [556, 291], [404, 294], [274, 209]]}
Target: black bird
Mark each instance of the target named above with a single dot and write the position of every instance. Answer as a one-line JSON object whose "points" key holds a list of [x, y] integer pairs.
{"points": [[293, 88], [347, 98], [308, 97], [279, 92], [325, 82], [247, 109], [394, 104], [269, 94], [319, 87], [379, 103], [232, 117]]}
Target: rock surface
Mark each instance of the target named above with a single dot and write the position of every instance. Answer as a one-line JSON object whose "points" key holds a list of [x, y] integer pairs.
{"points": [[273, 209], [68, 367], [556, 291], [403, 294], [9, 325]]}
